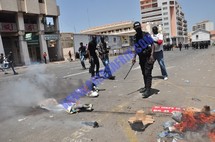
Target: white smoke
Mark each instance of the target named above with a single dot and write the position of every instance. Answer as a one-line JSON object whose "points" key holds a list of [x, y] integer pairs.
{"points": [[26, 91]]}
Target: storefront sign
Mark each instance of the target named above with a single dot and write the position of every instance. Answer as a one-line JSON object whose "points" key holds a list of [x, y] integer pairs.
{"points": [[8, 27], [51, 37]]}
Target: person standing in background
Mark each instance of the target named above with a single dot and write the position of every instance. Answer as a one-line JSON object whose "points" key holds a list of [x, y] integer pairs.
{"points": [[44, 57], [82, 53], [11, 62], [158, 54]]}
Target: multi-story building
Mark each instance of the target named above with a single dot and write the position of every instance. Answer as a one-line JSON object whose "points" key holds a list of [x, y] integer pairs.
{"points": [[205, 25], [166, 14], [28, 28], [120, 28]]}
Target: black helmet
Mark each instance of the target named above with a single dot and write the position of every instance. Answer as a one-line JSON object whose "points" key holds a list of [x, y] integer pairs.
{"points": [[136, 25]]}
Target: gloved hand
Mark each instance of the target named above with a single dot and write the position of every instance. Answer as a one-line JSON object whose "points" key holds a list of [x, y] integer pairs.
{"points": [[133, 60], [151, 59]]}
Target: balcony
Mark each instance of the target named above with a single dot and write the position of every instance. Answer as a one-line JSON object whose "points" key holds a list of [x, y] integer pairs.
{"points": [[50, 28]]}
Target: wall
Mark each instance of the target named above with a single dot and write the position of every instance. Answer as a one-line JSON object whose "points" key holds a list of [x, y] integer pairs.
{"points": [[51, 8], [32, 6], [203, 36], [9, 5]]}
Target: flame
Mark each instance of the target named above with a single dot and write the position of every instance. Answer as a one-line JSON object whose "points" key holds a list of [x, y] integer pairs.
{"points": [[195, 121]]}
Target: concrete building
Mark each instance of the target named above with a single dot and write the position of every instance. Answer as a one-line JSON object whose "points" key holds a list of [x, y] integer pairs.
{"points": [[120, 28], [200, 35], [205, 25], [28, 28], [168, 15], [67, 44]]}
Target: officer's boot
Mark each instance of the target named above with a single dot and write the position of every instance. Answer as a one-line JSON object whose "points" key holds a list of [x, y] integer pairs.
{"points": [[146, 93], [142, 90]]}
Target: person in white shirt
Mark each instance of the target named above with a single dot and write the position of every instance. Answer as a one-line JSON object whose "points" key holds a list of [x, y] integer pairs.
{"points": [[158, 54]]}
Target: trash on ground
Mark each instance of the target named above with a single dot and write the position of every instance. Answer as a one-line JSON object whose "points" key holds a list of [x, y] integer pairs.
{"points": [[196, 99], [94, 124], [93, 94], [191, 124], [22, 119], [140, 121], [79, 108], [166, 109], [51, 104]]}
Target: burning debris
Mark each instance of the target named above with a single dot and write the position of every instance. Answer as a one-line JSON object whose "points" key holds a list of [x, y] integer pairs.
{"points": [[191, 124]]}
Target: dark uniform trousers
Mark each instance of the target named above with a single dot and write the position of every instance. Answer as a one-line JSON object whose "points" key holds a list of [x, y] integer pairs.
{"points": [[94, 62], [146, 68]]}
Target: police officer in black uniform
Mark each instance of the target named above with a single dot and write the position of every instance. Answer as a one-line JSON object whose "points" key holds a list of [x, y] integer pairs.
{"points": [[93, 58], [145, 50]]}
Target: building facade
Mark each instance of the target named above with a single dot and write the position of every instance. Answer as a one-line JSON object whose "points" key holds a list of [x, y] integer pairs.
{"points": [[205, 25], [29, 28], [120, 28], [67, 44], [168, 15]]}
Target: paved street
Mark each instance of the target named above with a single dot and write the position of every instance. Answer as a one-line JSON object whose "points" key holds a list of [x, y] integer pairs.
{"points": [[191, 83]]}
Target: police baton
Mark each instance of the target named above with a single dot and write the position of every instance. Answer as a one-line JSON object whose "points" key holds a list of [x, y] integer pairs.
{"points": [[129, 70]]}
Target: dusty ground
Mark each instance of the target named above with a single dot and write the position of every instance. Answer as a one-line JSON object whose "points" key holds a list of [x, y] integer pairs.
{"points": [[191, 83]]}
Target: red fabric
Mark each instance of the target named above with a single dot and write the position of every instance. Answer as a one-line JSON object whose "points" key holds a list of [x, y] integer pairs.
{"points": [[160, 42]]}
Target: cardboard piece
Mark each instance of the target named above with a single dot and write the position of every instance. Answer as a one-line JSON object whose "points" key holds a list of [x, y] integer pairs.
{"points": [[141, 117]]}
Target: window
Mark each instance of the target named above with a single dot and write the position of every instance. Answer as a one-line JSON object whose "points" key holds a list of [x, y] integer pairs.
{"points": [[165, 24], [114, 40], [171, 2], [197, 36], [166, 18], [165, 13], [41, 1], [164, 3], [164, 8]]}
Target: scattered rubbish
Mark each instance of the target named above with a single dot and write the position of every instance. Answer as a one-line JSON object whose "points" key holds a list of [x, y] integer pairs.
{"points": [[187, 81], [92, 94], [22, 119], [140, 121], [51, 116], [166, 109], [79, 108], [114, 86], [196, 99], [168, 125], [93, 124], [177, 116], [192, 124], [51, 104]]}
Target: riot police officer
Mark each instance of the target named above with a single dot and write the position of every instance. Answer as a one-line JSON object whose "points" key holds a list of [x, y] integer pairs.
{"points": [[144, 48]]}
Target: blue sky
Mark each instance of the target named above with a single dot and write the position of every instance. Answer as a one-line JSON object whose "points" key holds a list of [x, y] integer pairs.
{"points": [[77, 15]]}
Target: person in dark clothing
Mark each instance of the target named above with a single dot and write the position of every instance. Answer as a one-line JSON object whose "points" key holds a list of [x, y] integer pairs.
{"points": [[93, 58], [144, 48], [70, 56], [103, 54], [180, 46], [11, 62], [2, 65], [82, 53], [44, 57]]}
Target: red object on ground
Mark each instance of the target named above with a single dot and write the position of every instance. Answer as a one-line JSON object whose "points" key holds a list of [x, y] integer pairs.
{"points": [[166, 109]]}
